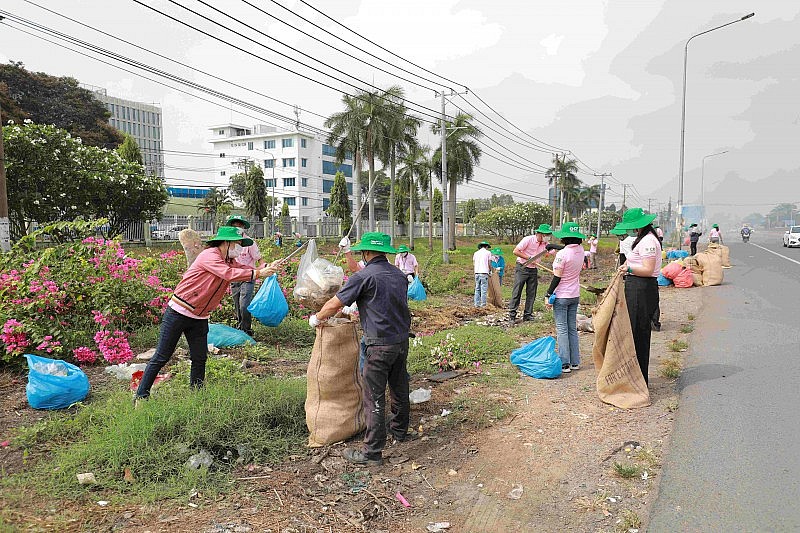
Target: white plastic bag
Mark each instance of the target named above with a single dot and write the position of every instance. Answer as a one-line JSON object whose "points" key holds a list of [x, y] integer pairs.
{"points": [[318, 280]]}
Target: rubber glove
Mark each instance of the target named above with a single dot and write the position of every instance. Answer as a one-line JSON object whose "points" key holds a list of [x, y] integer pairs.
{"points": [[344, 244], [552, 299], [313, 321], [350, 309]]}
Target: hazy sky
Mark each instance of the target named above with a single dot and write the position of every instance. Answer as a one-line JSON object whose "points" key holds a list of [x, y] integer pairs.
{"points": [[600, 78]]}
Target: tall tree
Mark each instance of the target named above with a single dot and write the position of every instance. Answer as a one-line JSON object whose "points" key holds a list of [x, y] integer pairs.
{"points": [[414, 171], [217, 203], [470, 210], [347, 135], [60, 101], [463, 155], [129, 150], [252, 190], [562, 176], [437, 205], [400, 138], [340, 203]]}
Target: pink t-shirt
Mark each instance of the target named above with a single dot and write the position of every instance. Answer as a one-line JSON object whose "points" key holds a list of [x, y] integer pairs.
{"points": [[647, 247], [529, 247], [181, 310], [570, 262], [250, 255], [407, 264], [593, 246], [480, 261], [714, 233]]}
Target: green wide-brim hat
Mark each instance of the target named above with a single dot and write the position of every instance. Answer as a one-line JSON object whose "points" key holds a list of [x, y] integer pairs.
{"points": [[715, 226], [375, 242], [230, 233], [238, 218], [618, 231], [484, 243], [497, 251], [635, 218], [402, 248], [569, 230], [544, 229]]}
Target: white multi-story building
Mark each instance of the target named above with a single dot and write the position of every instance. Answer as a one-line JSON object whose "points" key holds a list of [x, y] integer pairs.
{"points": [[299, 168], [139, 120]]}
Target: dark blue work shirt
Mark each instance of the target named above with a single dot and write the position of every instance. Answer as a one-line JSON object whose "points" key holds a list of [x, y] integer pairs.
{"points": [[380, 290]]}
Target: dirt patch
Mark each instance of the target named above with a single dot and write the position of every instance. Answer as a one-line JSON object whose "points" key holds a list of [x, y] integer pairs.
{"points": [[431, 320]]}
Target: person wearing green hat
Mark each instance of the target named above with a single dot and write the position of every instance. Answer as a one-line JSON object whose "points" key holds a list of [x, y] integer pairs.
{"points": [[481, 265], [499, 263], [642, 267], [593, 242], [622, 235], [566, 288], [199, 292], [407, 263], [715, 235], [525, 273], [242, 291], [379, 290]]}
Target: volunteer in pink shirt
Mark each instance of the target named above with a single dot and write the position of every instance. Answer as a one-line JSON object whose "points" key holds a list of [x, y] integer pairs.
{"points": [[407, 263], [715, 235], [525, 272], [593, 251], [199, 292], [242, 291], [481, 264], [642, 267], [567, 290]]}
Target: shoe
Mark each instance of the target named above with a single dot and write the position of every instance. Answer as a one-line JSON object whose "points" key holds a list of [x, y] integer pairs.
{"points": [[575, 367], [357, 458], [410, 435], [655, 327], [565, 369]]}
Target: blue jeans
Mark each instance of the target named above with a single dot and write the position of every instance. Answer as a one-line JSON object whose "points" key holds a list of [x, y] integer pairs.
{"points": [[565, 311], [173, 325], [242, 292], [481, 289]]}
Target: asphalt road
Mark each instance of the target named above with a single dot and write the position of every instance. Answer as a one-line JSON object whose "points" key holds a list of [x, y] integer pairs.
{"points": [[734, 461]]}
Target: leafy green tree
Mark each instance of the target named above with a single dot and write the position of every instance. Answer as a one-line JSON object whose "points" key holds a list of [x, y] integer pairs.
{"points": [[347, 135], [217, 204], [52, 177], [512, 222], [562, 176], [340, 203], [129, 150], [470, 210], [437, 205], [499, 201], [608, 219], [463, 155], [249, 187], [285, 209], [60, 101], [782, 212], [414, 171], [400, 139]]}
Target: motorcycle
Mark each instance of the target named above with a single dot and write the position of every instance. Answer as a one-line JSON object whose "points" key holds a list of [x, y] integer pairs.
{"points": [[745, 237]]}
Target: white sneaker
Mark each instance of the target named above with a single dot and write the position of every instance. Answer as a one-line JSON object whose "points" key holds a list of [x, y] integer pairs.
{"points": [[565, 369], [575, 367]]}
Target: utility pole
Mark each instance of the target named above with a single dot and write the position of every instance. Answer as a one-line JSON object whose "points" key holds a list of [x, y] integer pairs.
{"points": [[649, 202], [561, 191], [5, 224], [624, 195], [601, 201], [445, 217]]}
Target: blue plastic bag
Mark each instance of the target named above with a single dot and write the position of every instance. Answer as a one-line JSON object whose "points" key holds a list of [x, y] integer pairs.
{"points": [[223, 336], [269, 304], [416, 291], [663, 282], [677, 254], [54, 384], [538, 359]]}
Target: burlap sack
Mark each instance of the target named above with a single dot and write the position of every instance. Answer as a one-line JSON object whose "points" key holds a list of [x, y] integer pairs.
{"points": [[692, 263], [697, 279], [495, 296], [619, 378], [726, 256], [334, 409], [711, 263], [192, 244]]}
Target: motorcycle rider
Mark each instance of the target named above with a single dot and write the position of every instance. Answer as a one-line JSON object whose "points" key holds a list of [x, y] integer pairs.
{"points": [[745, 233]]}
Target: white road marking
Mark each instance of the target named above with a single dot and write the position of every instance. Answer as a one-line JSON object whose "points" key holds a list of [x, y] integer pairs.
{"points": [[776, 253]]}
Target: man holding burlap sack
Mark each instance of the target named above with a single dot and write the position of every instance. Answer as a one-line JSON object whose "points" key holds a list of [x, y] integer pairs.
{"points": [[380, 290]]}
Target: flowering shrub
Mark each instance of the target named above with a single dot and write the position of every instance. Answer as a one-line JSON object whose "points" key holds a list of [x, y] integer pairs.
{"points": [[73, 297], [449, 354]]}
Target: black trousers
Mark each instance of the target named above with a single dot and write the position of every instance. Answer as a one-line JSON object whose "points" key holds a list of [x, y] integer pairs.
{"points": [[641, 295], [528, 278], [693, 247], [385, 365]]}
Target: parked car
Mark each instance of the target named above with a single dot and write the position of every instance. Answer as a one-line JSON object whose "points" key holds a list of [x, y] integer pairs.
{"points": [[169, 234], [791, 237]]}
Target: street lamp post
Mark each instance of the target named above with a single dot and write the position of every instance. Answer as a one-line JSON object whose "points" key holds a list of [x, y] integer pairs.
{"points": [[702, 183], [683, 111]]}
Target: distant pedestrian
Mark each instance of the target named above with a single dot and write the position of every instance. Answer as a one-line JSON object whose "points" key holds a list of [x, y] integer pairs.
{"points": [[593, 241], [621, 235], [278, 239], [481, 262], [567, 290], [499, 263], [642, 267], [525, 272], [407, 263], [298, 240], [660, 234], [242, 291], [694, 237], [715, 235]]}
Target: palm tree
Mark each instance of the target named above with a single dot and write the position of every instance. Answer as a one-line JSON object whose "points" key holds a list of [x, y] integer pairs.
{"points": [[400, 139], [415, 166], [562, 176], [347, 135], [426, 182], [215, 202], [463, 155]]}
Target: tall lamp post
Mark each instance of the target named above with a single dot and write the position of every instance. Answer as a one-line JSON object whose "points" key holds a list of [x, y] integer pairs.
{"points": [[683, 111], [702, 183]]}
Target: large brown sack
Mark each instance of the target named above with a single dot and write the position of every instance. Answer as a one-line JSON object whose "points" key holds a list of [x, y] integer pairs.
{"points": [[711, 264], [726, 256], [692, 263], [192, 244], [495, 296], [697, 279], [619, 377], [334, 409]]}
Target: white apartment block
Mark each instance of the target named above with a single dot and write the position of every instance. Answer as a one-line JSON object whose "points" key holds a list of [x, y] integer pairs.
{"points": [[299, 168], [142, 122]]}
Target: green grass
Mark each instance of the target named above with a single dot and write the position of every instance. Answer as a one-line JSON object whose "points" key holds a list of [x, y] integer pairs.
{"points": [[629, 520], [687, 328], [677, 345], [292, 331], [671, 368], [627, 471], [262, 419], [486, 344], [690, 316]]}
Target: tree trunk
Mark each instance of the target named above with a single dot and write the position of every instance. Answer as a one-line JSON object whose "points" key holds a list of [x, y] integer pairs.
{"points": [[452, 210], [357, 185], [411, 211], [554, 199], [371, 193], [430, 210], [391, 196]]}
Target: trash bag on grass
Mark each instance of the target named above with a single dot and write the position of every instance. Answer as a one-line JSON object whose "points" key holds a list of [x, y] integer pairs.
{"points": [[416, 291], [334, 409], [223, 336], [54, 384], [538, 359], [318, 280], [269, 305]]}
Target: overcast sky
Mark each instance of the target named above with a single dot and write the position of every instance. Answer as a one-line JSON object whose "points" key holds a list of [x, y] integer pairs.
{"points": [[599, 78]]}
